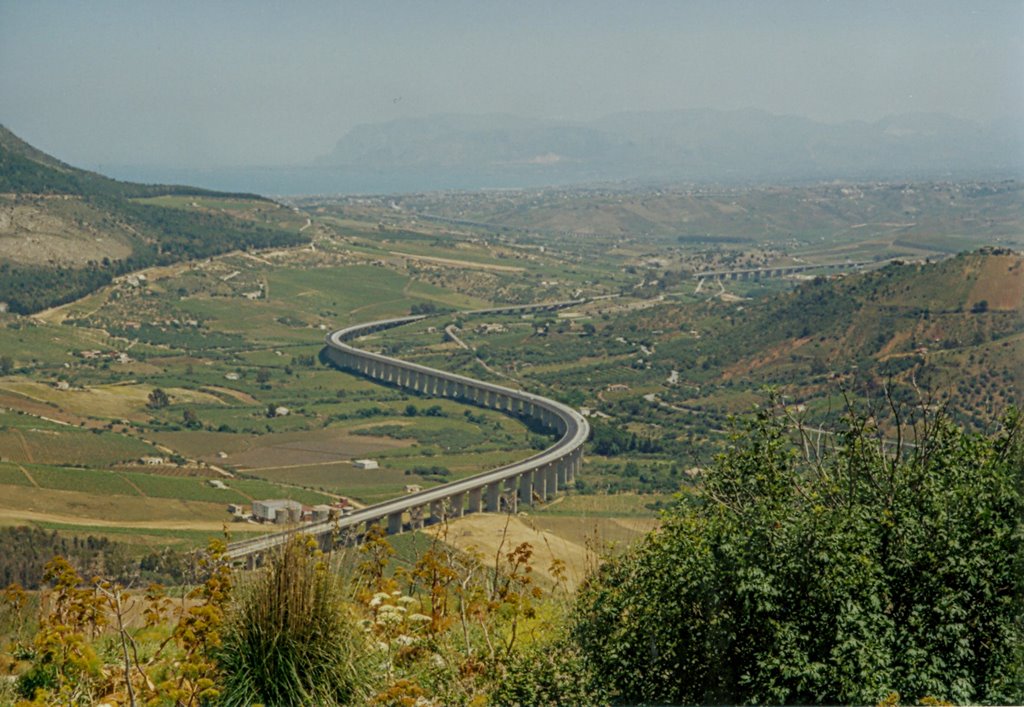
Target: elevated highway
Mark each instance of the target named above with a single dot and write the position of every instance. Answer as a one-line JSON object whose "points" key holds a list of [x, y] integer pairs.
{"points": [[779, 271], [525, 482]]}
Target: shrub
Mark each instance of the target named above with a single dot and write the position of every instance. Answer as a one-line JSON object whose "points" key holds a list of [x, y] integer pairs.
{"points": [[843, 579], [289, 639], [548, 674]]}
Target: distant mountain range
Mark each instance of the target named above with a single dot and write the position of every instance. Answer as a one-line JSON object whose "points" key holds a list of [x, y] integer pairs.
{"points": [[698, 145], [470, 152]]}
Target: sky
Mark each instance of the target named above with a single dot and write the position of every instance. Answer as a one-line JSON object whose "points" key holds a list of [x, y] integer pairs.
{"points": [[208, 83]]}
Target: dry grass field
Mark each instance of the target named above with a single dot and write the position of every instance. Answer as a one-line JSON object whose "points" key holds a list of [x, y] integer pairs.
{"points": [[107, 401], [577, 542]]}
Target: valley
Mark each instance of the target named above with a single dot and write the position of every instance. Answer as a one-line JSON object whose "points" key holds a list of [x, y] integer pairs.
{"points": [[165, 385], [658, 358]]}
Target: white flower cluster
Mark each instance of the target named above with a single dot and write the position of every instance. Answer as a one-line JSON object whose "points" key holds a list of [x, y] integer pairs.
{"points": [[395, 614]]}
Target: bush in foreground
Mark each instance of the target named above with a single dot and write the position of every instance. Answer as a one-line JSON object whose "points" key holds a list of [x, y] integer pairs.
{"points": [[289, 640], [852, 578]]}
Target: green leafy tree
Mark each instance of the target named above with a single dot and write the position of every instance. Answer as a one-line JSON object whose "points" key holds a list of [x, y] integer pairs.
{"points": [[158, 399], [190, 419], [847, 578]]}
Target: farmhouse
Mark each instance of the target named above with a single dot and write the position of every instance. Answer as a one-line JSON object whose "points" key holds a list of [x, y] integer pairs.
{"points": [[365, 464]]}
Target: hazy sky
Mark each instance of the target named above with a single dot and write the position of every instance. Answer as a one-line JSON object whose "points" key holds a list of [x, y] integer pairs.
{"points": [[241, 83]]}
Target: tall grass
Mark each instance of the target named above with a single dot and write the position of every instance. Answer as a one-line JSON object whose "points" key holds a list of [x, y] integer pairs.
{"points": [[290, 639]]}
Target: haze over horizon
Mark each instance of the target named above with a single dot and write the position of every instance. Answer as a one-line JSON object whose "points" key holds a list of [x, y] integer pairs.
{"points": [[193, 85]]}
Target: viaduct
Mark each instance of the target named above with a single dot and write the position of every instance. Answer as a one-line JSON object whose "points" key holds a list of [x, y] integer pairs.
{"points": [[537, 478], [764, 273]]}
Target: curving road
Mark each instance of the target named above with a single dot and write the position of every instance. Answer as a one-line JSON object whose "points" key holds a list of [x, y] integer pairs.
{"points": [[537, 478]]}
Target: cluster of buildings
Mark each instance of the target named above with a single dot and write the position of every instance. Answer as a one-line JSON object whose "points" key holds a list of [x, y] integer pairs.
{"points": [[97, 355], [285, 511]]}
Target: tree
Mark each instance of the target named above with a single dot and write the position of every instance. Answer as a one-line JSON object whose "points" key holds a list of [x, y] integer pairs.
{"points": [[190, 419], [158, 399], [842, 579], [6, 365], [263, 376]]}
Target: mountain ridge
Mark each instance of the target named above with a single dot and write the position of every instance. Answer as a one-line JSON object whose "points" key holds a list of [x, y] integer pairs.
{"points": [[700, 144]]}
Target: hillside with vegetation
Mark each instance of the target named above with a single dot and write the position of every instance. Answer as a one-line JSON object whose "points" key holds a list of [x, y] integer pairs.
{"points": [[65, 232], [850, 574]]}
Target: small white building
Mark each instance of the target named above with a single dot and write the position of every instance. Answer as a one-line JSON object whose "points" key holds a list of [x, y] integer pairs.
{"points": [[365, 464], [217, 483], [151, 461]]}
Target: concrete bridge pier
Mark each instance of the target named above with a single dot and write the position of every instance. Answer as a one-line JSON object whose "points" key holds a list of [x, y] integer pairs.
{"points": [[493, 500], [475, 500], [540, 483], [394, 523], [510, 496], [437, 511], [526, 488], [552, 475], [457, 505], [417, 516]]}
